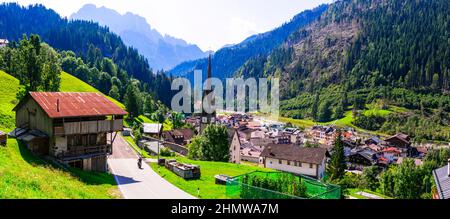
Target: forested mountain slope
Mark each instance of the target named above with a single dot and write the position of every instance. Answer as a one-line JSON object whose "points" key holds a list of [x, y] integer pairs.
{"points": [[87, 40], [359, 52], [227, 60]]}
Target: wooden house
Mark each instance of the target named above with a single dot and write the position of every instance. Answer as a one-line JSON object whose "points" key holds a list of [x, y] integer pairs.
{"points": [[399, 141], [179, 136], [71, 127], [153, 130]]}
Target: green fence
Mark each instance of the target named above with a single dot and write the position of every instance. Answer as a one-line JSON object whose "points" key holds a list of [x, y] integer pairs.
{"points": [[243, 187]]}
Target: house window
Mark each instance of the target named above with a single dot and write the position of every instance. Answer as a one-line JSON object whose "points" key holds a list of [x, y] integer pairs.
{"points": [[300, 164], [289, 163], [280, 162], [310, 165]]}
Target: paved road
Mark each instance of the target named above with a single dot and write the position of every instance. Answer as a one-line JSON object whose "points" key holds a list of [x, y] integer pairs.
{"points": [[121, 149], [139, 184]]}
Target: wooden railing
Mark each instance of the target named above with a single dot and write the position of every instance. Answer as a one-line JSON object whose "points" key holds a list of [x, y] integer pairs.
{"points": [[85, 151], [89, 127]]}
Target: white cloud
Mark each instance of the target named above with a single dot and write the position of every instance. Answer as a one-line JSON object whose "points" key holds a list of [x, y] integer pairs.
{"points": [[239, 29], [207, 23]]}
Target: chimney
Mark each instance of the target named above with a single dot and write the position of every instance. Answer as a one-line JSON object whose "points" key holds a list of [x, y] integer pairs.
{"points": [[57, 105]]}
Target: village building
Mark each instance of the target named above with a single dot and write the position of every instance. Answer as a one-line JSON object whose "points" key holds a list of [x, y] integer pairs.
{"points": [[442, 181], [297, 138], [78, 129], [422, 151], [179, 136], [282, 138], [245, 132], [323, 135], [294, 159], [399, 141], [358, 159], [235, 146], [193, 121], [250, 154], [152, 130], [392, 154], [373, 141], [258, 138]]}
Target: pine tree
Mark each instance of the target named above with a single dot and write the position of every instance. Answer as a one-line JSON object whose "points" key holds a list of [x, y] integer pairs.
{"points": [[315, 107], [114, 92], [325, 112], [132, 100], [336, 167], [339, 111]]}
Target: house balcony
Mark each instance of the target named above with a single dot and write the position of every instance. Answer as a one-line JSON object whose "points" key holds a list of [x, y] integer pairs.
{"points": [[88, 127], [79, 152]]}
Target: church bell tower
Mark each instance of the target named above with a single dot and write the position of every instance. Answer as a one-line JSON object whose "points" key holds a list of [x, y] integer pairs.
{"points": [[207, 118]]}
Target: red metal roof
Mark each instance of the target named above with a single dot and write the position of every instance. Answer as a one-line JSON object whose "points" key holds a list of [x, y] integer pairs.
{"points": [[76, 104]]}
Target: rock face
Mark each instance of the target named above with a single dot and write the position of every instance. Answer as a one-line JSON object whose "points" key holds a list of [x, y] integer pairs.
{"points": [[162, 52]]}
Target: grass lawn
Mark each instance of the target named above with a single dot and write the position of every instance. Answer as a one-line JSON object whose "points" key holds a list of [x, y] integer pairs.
{"points": [[8, 89], [23, 175], [353, 193], [208, 188], [70, 83], [144, 119]]}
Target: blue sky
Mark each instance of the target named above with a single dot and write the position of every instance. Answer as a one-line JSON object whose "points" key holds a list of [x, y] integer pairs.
{"points": [[210, 24]]}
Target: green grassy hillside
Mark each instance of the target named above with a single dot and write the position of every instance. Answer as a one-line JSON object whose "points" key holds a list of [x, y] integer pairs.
{"points": [[23, 175], [70, 83], [8, 89]]}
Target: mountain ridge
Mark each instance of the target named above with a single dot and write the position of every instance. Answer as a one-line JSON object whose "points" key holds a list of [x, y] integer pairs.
{"points": [[162, 51], [230, 58]]}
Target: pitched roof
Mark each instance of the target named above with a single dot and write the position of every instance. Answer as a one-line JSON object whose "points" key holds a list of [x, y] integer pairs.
{"points": [[392, 150], [187, 134], [402, 137], [152, 128], [74, 104], [293, 152], [442, 182]]}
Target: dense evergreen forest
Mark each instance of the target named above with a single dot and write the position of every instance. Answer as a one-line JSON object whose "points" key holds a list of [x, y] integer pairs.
{"points": [[391, 56], [38, 68], [103, 55], [227, 60]]}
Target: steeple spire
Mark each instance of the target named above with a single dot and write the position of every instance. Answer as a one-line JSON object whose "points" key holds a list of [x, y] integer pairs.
{"points": [[208, 118], [209, 67]]}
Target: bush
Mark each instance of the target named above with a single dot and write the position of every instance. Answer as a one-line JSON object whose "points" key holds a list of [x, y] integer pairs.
{"points": [[369, 122], [166, 152]]}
